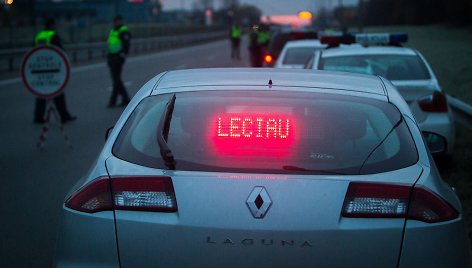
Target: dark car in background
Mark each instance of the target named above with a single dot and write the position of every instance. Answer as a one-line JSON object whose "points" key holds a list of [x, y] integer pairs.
{"points": [[280, 38]]}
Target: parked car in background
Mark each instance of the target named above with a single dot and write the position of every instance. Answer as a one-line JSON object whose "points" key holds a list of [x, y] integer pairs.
{"points": [[406, 68], [280, 38], [295, 54]]}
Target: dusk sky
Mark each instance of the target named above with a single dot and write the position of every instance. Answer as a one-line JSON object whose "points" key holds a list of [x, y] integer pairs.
{"points": [[269, 7]]}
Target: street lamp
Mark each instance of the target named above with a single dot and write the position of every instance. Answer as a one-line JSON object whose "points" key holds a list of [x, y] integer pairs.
{"points": [[305, 15]]}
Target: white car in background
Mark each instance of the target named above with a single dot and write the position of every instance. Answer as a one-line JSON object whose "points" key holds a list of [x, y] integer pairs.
{"points": [[406, 68], [295, 54]]}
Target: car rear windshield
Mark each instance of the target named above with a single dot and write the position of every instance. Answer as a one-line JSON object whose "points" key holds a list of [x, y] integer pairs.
{"points": [[275, 132], [278, 41], [392, 67], [298, 55]]}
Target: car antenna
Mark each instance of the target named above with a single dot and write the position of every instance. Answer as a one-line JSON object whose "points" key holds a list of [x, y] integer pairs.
{"points": [[270, 83]]}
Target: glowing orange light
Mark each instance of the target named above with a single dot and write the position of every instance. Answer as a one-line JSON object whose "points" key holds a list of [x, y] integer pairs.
{"points": [[305, 15], [268, 58]]}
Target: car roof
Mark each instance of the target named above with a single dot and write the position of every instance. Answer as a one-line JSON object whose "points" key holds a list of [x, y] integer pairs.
{"points": [[304, 43], [180, 80], [369, 50]]}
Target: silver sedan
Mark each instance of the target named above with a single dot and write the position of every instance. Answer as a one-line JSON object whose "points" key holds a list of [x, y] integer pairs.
{"points": [[409, 71], [263, 168]]}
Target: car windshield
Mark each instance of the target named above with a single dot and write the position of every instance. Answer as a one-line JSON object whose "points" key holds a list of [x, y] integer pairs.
{"points": [[298, 55], [279, 40], [392, 67], [274, 132]]}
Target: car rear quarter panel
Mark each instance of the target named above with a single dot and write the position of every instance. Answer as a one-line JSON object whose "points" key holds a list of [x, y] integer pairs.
{"points": [[442, 244], [435, 245], [86, 240]]}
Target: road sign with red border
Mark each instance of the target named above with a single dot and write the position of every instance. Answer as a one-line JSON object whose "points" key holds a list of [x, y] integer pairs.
{"points": [[45, 71]]}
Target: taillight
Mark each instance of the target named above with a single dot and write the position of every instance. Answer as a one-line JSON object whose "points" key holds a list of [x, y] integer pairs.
{"points": [[435, 103], [94, 197], [371, 200], [428, 207], [125, 193], [268, 58]]}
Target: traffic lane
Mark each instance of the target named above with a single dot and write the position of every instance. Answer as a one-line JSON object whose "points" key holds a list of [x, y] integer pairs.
{"points": [[35, 183]]}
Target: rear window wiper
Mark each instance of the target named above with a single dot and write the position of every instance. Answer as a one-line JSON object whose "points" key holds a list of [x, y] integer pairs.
{"points": [[163, 134]]}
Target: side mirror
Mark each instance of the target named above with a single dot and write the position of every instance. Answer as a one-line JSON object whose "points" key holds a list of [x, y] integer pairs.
{"points": [[107, 133], [436, 143]]}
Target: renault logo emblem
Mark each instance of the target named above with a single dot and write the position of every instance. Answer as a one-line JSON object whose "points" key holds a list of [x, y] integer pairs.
{"points": [[259, 202]]}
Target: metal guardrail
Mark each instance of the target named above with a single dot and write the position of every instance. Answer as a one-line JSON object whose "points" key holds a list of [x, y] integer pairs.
{"points": [[10, 59], [462, 112]]}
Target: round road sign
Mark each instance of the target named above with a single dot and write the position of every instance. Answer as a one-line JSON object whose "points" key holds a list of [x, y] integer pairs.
{"points": [[45, 71]]}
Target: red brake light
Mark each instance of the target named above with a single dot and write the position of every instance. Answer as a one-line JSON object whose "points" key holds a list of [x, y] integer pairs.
{"points": [[370, 200], [125, 193], [268, 58], [435, 103], [365, 200], [94, 197], [428, 207]]}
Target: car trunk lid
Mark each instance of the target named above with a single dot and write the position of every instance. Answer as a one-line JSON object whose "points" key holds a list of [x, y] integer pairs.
{"points": [[216, 225]]}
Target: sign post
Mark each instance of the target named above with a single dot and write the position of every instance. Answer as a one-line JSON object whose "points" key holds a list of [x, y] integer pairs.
{"points": [[45, 72]]}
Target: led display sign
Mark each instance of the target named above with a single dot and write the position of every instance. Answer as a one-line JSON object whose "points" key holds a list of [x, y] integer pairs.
{"points": [[253, 134], [253, 127]]}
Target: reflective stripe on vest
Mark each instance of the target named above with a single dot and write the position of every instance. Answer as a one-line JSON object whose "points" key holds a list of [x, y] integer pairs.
{"points": [[114, 42], [44, 37], [263, 37], [235, 32]]}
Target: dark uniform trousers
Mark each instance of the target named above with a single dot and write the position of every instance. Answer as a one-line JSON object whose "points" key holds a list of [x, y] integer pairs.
{"points": [[115, 62]]}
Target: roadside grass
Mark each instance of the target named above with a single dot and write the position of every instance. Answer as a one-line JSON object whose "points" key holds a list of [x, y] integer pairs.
{"points": [[447, 49]]}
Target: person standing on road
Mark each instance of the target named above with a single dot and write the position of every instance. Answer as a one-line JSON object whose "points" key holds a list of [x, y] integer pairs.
{"points": [[118, 48], [235, 36], [254, 47], [48, 37]]}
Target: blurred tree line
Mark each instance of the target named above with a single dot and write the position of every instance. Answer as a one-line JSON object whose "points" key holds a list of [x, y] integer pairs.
{"points": [[384, 12], [399, 12]]}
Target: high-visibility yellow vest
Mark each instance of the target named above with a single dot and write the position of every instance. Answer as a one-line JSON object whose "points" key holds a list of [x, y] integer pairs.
{"points": [[235, 32], [263, 37], [44, 37], [114, 42]]}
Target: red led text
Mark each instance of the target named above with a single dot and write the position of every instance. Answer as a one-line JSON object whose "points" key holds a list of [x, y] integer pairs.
{"points": [[254, 127]]}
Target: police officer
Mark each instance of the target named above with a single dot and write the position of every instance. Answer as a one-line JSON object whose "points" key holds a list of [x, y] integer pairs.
{"points": [[263, 37], [118, 48], [254, 47], [235, 36], [48, 36]]}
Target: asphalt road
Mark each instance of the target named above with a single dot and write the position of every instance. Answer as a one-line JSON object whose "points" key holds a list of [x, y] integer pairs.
{"points": [[34, 183]]}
